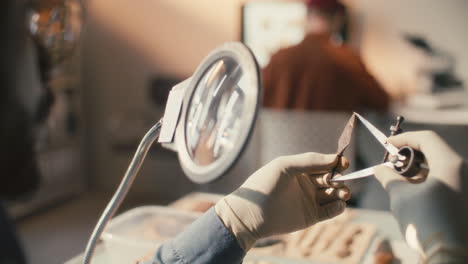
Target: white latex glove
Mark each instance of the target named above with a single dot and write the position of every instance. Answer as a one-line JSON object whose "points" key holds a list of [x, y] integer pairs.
{"points": [[431, 214], [288, 194]]}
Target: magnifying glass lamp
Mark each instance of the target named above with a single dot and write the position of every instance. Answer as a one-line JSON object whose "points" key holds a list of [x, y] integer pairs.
{"points": [[208, 120]]}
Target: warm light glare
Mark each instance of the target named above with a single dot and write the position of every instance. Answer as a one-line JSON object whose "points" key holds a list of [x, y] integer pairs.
{"points": [[411, 236]]}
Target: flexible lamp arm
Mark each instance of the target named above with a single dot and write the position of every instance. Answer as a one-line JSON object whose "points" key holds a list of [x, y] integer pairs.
{"points": [[122, 191]]}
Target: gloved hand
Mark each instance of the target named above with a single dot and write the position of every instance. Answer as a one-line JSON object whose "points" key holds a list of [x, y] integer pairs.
{"points": [[288, 194], [432, 214]]}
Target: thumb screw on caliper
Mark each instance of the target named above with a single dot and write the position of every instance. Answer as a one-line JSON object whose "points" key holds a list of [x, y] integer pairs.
{"points": [[394, 130]]}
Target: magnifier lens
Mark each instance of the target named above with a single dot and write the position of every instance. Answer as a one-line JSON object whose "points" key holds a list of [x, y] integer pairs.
{"points": [[215, 112]]}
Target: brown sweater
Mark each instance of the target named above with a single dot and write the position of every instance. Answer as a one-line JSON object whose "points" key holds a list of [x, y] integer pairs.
{"points": [[317, 75]]}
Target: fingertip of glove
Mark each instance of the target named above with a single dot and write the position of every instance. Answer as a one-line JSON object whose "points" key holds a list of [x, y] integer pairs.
{"points": [[344, 193], [344, 163]]}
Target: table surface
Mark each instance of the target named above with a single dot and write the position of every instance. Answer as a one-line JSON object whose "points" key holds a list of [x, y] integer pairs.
{"points": [[386, 225]]}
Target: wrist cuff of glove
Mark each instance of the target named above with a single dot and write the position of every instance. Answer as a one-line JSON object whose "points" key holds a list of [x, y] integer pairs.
{"points": [[234, 224]]}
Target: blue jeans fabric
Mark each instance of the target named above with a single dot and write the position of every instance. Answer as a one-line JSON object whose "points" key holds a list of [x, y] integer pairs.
{"points": [[205, 241]]}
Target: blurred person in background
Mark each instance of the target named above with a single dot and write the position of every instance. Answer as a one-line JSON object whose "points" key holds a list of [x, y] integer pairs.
{"points": [[322, 72], [37, 36]]}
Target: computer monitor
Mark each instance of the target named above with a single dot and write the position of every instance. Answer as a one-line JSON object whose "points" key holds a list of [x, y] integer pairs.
{"points": [[268, 26]]}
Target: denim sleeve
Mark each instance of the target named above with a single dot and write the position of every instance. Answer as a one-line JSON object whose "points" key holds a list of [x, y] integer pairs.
{"points": [[205, 241]]}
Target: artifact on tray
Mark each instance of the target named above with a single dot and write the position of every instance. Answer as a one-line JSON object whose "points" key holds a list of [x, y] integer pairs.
{"points": [[384, 253], [337, 240]]}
